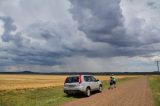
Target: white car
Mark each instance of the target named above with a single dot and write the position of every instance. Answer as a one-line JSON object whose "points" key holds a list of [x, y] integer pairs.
{"points": [[82, 83]]}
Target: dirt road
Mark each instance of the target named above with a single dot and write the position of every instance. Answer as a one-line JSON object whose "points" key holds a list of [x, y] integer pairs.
{"points": [[132, 93]]}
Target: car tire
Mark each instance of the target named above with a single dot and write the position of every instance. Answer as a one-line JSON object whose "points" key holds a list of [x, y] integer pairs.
{"points": [[68, 94], [88, 92], [100, 88]]}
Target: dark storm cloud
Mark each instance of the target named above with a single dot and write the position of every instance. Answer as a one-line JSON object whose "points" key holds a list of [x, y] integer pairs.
{"points": [[153, 4], [55, 48], [25, 52], [101, 21], [32, 57], [54, 34], [114, 51], [9, 28], [39, 58]]}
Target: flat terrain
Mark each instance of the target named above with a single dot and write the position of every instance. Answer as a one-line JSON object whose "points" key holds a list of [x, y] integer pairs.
{"points": [[132, 93], [45, 96], [155, 86], [10, 82]]}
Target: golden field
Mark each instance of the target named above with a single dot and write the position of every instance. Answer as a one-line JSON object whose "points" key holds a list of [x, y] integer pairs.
{"points": [[9, 82]]}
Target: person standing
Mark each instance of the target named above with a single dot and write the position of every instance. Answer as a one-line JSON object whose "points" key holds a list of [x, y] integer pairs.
{"points": [[111, 83], [114, 80]]}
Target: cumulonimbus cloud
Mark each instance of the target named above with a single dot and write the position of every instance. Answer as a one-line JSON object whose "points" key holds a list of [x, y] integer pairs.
{"points": [[74, 29]]}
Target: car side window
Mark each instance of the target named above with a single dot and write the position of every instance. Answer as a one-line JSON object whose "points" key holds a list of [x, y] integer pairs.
{"points": [[88, 78], [93, 79]]}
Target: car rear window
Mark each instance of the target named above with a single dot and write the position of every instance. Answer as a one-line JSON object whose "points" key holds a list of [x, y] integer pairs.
{"points": [[72, 79]]}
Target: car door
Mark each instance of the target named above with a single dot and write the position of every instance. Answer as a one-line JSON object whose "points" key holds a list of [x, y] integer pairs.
{"points": [[94, 83], [87, 81]]}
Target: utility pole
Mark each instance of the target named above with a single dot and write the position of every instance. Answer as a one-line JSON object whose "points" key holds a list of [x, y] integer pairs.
{"points": [[158, 65]]}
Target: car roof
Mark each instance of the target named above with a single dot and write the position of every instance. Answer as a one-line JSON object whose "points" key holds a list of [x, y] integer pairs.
{"points": [[78, 75]]}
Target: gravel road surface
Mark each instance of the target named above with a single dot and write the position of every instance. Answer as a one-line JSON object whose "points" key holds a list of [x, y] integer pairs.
{"points": [[135, 92]]}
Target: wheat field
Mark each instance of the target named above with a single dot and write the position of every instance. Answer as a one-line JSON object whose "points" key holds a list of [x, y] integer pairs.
{"points": [[19, 81]]}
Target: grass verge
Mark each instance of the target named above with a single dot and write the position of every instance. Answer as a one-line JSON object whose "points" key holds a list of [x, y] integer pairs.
{"points": [[51, 96], [119, 81], [154, 82]]}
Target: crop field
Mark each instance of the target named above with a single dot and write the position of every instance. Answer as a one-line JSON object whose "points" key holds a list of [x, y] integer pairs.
{"points": [[10, 82], [40, 90]]}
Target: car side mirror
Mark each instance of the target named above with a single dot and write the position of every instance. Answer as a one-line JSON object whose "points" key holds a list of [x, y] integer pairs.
{"points": [[97, 80]]}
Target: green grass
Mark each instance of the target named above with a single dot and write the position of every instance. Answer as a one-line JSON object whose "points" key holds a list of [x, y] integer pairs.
{"points": [[34, 97], [40, 96], [118, 81], [155, 87]]}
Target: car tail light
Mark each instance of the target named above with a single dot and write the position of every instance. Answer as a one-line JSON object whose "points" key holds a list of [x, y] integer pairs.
{"points": [[65, 80], [80, 79]]}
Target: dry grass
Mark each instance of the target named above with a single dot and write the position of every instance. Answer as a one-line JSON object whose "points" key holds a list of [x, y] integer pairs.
{"points": [[29, 81], [108, 77], [8, 82]]}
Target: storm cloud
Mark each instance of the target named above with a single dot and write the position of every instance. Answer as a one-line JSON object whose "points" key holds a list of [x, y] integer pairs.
{"points": [[86, 35], [9, 29], [101, 21]]}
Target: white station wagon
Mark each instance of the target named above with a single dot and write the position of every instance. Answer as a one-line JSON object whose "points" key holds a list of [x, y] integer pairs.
{"points": [[82, 83]]}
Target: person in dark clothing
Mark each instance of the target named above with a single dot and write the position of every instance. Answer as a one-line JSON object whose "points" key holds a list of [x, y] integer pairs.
{"points": [[111, 82], [114, 81]]}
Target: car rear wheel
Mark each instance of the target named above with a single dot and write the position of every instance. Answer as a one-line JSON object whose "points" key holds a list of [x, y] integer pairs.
{"points": [[88, 92], [68, 94]]}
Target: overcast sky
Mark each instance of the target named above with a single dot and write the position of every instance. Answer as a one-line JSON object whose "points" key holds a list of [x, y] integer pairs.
{"points": [[79, 35]]}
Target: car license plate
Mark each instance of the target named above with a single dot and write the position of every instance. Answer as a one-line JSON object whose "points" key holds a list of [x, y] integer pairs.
{"points": [[71, 86]]}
